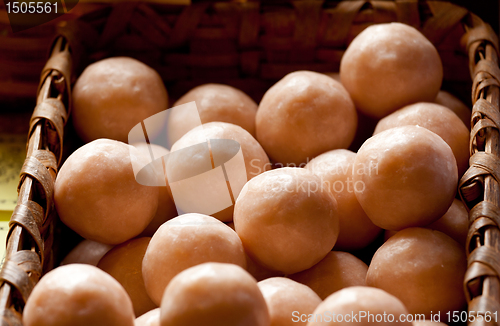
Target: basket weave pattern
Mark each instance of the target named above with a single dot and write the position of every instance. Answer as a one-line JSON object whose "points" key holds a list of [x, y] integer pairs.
{"points": [[250, 45]]}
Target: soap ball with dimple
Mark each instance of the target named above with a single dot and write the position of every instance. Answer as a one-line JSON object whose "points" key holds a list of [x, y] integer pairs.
{"points": [[113, 95], [388, 66]]}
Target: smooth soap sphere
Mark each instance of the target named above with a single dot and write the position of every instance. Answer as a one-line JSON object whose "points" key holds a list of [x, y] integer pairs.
{"points": [[284, 297], [78, 295], [438, 119], [166, 209], [336, 271], [214, 294], [388, 66], [285, 221], [358, 300], [424, 268], [303, 115], [124, 263], [186, 241], [113, 95], [215, 102], [458, 107], [336, 169], [150, 318], [410, 179], [429, 323], [254, 156], [86, 252], [97, 196]]}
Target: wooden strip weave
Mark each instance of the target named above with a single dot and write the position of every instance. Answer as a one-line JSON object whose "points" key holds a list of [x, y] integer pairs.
{"points": [[480, 185], [30, 228]]}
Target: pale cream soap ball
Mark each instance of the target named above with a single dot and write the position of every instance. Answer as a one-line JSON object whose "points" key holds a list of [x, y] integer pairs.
{"points": [[186, 241], [454, 104], [286, 298], [96, 193], [336, 271], [215, 102], [113, 95], [424, 268], [388, 66], [438, 119], [124, 263], [214, 294], [285, 221], [411, 177], [303, 115], [339, 308], [336, 169], [78, 295]]}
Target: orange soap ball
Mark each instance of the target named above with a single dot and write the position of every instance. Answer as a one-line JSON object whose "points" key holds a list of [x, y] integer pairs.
{"points": [[113, 95], [285, 221], [336, 169], [458, 107], [214, 294], [285, 297], [186, 241], [388, 66], [181, 164], [166, 209], [336, 271], [410, 177], [215, 102], [78, 295], [428, 323], [150, 318], [454, 223], [303, 115], [424, 268], [437, 119], [124, 263], [86, 252], [359, 305], [96, 193]]}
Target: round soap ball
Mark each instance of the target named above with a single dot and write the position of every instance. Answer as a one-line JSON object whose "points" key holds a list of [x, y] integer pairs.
{"points": [[150, 318], [124, 263], [454, 104], [438, 119], [424, 268], [213, 294], [113, 95], [388, 66], [215, 102], [336, 271], [286, 298], [78, 295], [96, 193], [336, 169], [196, 157], [303, 115], [86, 252], [285, 221], [359, 301], [186, 241], [410, 177]]}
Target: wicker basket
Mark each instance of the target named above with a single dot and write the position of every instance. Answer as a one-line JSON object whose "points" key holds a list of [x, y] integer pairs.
{"points": [[248, 44]]}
